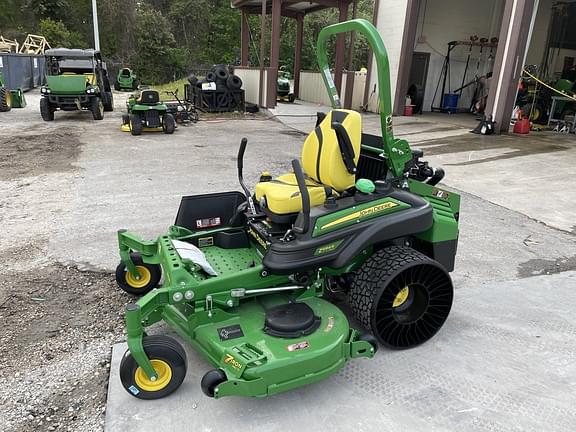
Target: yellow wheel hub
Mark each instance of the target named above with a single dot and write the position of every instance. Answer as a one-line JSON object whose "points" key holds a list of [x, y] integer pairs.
{"points": [[401, 297], [142, 281], [163, 371]]}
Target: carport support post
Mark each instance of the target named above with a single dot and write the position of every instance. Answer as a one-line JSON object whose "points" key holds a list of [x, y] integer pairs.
{"points": [[274, 52], [298, 54], [340, 46], [509, 61], [245, 36]]}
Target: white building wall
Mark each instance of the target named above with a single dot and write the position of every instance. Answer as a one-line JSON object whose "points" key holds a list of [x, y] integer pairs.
{"points": [[540, 32], [443, 21], [439, 22], [391, 17]]}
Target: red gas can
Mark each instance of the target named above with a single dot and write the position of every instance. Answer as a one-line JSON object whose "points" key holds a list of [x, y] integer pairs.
{"points": [[522, 126]]}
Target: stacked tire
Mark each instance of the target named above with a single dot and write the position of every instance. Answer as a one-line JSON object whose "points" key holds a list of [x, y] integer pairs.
{"points": [[224, 95]]}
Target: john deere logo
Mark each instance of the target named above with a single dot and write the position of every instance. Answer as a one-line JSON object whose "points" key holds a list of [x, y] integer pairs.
{"points": [[229, 359], [361, 214]]}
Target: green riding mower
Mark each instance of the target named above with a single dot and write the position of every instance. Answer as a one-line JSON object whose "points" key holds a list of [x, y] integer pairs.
{"points": [[283, 87], [247, 277], [126, 80], [75, 80], [147, 113]]}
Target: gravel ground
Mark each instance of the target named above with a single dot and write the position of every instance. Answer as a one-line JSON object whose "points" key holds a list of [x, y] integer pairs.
{"points": [[57, 328]]}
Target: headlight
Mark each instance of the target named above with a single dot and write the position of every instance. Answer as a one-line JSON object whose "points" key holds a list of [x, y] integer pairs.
{"points": [[90, 90]]}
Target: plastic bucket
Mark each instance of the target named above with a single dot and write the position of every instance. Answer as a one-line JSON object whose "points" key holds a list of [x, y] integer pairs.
{"points": [[408, 110], [450, 102]]}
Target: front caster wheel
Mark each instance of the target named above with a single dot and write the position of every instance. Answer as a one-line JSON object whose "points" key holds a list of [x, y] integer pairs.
{"points": [[367, 337], [211, 380], [402, 296], [148, 279], [169, 361]]}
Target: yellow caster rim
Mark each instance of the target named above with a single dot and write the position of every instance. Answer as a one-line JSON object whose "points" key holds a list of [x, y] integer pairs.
{"points": [[145, 277], [401, 297], [164, 372]]}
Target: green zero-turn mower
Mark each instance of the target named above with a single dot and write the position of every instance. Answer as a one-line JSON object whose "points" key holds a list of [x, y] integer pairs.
{"points": [[126, 80], [76, 79], [245, 276], [147, 113]]}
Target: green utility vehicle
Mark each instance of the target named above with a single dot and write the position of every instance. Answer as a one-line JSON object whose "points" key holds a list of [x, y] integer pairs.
{"points": [[5, 96], [147, 113], [75, 80], [247, 277], [126, 80]]}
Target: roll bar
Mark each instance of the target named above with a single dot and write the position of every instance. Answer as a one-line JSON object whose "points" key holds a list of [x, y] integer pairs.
{"points": [[396, 151]]}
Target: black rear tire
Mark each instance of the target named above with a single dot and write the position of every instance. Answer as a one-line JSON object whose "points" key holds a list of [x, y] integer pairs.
{"points": [[5, 99], [46, 110], [109, 102], [117, 86], [97, 108], [135, 124], [151, 272], [166, 353], [125, 119], [402, 296], [168, 124]]}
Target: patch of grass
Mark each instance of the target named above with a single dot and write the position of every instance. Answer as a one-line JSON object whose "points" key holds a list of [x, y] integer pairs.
{"points": [[172, 86]]}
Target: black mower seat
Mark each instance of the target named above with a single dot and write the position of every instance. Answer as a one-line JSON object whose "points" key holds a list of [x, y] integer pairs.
{"points": [[329, 158], [149, 97]]}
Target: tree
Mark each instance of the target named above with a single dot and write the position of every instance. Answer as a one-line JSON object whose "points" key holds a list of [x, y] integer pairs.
{"points": [[157, 59], [58, 35]]}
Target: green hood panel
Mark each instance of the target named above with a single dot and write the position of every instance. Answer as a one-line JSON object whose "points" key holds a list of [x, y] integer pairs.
{"points": [[67, 84]]}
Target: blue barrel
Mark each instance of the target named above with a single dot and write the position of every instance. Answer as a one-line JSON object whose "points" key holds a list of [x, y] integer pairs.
{"points": [[450, 102]]}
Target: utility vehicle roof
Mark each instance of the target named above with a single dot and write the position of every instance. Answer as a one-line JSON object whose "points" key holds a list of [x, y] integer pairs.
{"points": [[71, 53]]}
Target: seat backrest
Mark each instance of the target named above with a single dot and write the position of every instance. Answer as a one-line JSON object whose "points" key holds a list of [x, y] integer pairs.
{"points": [[324, 155], [149, 97]]}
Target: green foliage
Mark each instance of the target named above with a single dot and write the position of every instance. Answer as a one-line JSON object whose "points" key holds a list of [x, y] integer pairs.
{"points": [[164, 39], [58, 35], [157, 58]]}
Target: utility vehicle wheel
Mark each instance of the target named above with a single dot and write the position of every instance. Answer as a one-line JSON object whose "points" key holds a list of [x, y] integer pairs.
{"points": [[5, 99], [168, 124], [135, 124], [402, 296], [211, 380], [291, 97], [169, 361], [117, 86], [125, 119], [97, 108], [46, 111], [150, 275], [109, 104], [135, 84]]}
